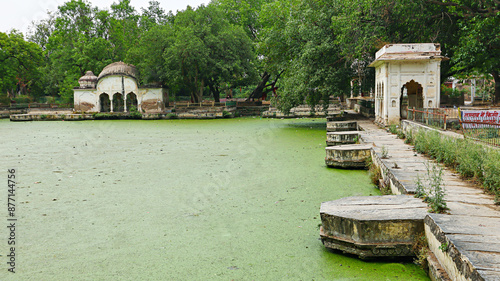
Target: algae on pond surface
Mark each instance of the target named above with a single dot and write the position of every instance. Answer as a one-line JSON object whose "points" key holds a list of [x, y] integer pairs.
{"points": [[231, 199]]}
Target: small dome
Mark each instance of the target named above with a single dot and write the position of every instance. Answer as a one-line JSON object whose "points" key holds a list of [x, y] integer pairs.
{"points": [[89, 80], [118, 68]]}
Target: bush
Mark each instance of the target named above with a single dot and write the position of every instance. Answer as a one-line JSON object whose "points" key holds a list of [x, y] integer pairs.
{"points": [[134, 113], [4, 100], [226, 114], [22, 99], [393, 129], [171, 116], [470, 159]]}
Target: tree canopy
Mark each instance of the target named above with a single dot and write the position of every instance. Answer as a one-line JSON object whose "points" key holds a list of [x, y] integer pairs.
{"points": [[300, 51]]}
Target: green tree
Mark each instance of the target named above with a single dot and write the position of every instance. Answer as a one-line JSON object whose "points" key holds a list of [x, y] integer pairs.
{"points": [[196, 50], [477, 47], [19, 63]]}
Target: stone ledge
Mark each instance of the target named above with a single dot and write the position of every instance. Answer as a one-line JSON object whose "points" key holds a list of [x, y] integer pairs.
{"points": [[466, 248], [375, 226]]}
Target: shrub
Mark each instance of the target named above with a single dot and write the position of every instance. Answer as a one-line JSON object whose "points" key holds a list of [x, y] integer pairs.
{"points": [[171, 116], [23, 99], [134, 113], [226, 114], [431, 188], [4, 100], [470, 159], [393, 129]]}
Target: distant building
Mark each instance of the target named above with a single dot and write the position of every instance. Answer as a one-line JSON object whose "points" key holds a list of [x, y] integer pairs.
{"points": [[117, 90], [406, 75]]}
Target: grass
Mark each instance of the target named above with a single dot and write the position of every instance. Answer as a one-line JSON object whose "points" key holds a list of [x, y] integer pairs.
{"points": [[470, 159]]}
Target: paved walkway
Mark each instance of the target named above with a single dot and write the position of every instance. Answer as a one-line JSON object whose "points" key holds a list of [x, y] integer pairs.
{"points": [[472, 226]]}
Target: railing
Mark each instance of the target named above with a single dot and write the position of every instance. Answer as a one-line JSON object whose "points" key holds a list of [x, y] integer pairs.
{"points": [[198, 104], [40, 105], [429, 116], [485, 132]]}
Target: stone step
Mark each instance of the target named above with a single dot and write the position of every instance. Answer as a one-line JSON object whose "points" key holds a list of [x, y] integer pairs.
{"points": [[468, 248], [341, 126], [375, 226], [348, 156], [339, 138]]}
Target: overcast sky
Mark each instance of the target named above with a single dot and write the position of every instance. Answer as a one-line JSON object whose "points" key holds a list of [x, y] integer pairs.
{"points": [[18, 14]]}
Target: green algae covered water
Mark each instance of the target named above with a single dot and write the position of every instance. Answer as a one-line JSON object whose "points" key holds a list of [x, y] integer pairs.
{"points": [[234, 199]]}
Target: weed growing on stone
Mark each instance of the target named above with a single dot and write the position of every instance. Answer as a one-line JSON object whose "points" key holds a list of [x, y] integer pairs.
{"points": [[409, 137], [393, 129], [431, 188], [385, 152], [444, 247], [420, 190], [374, 172], [421, 250]]}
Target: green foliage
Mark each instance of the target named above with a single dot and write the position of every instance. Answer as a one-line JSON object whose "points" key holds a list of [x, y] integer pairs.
{"points": [[134, 113], [22, 99], [374, 172], [199, 49], [226, 114], [4, 99], [444, 247], [421, 249], [317, 47], [393, 129], [171, 116], [20, 62], [452, 93], [384, 152], [431, 188], [298, 38], [43, 116], [470, 159]]}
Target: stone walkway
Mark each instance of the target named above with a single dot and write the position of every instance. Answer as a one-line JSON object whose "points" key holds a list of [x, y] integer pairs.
{"points": [[466, 242]]}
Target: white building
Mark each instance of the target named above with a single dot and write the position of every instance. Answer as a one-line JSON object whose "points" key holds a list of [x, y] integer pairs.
{"points": [[406, 75], [117, 90]]}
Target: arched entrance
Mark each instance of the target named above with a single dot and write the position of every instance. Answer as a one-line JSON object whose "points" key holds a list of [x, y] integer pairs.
{"points": [[105, 103], [411, 97], [131, 101], [118, 105]]}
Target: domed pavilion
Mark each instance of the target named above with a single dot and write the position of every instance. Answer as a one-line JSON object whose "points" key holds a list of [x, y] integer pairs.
{"points": [[117, 89]]}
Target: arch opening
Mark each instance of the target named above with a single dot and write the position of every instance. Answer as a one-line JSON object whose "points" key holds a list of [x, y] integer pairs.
{"points": [[105, 104], [411, 97], [118, 105], [131, 101]]}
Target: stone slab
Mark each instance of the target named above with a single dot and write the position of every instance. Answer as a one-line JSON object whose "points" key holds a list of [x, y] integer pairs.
{"points": [[472, 250], [373, 226], [348, 156]]}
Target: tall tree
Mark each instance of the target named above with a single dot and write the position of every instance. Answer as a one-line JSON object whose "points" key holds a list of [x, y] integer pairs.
{"points": [[19, 63], [477, 47], [198, 49]]}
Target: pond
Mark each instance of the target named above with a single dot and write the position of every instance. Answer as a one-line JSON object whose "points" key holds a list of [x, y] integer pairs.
{"points": [[231, 199]]}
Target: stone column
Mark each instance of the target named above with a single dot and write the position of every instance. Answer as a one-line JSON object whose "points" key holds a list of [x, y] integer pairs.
{"points": [[125, 103], [111, 103]]}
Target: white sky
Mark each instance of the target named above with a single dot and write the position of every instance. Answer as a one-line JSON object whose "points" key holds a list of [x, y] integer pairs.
{"points": [[18, 14]]}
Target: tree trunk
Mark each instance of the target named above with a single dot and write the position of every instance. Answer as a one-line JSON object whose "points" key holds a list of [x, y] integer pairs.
{"points": [[496, 78], [215, 90], [257, 93]]}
